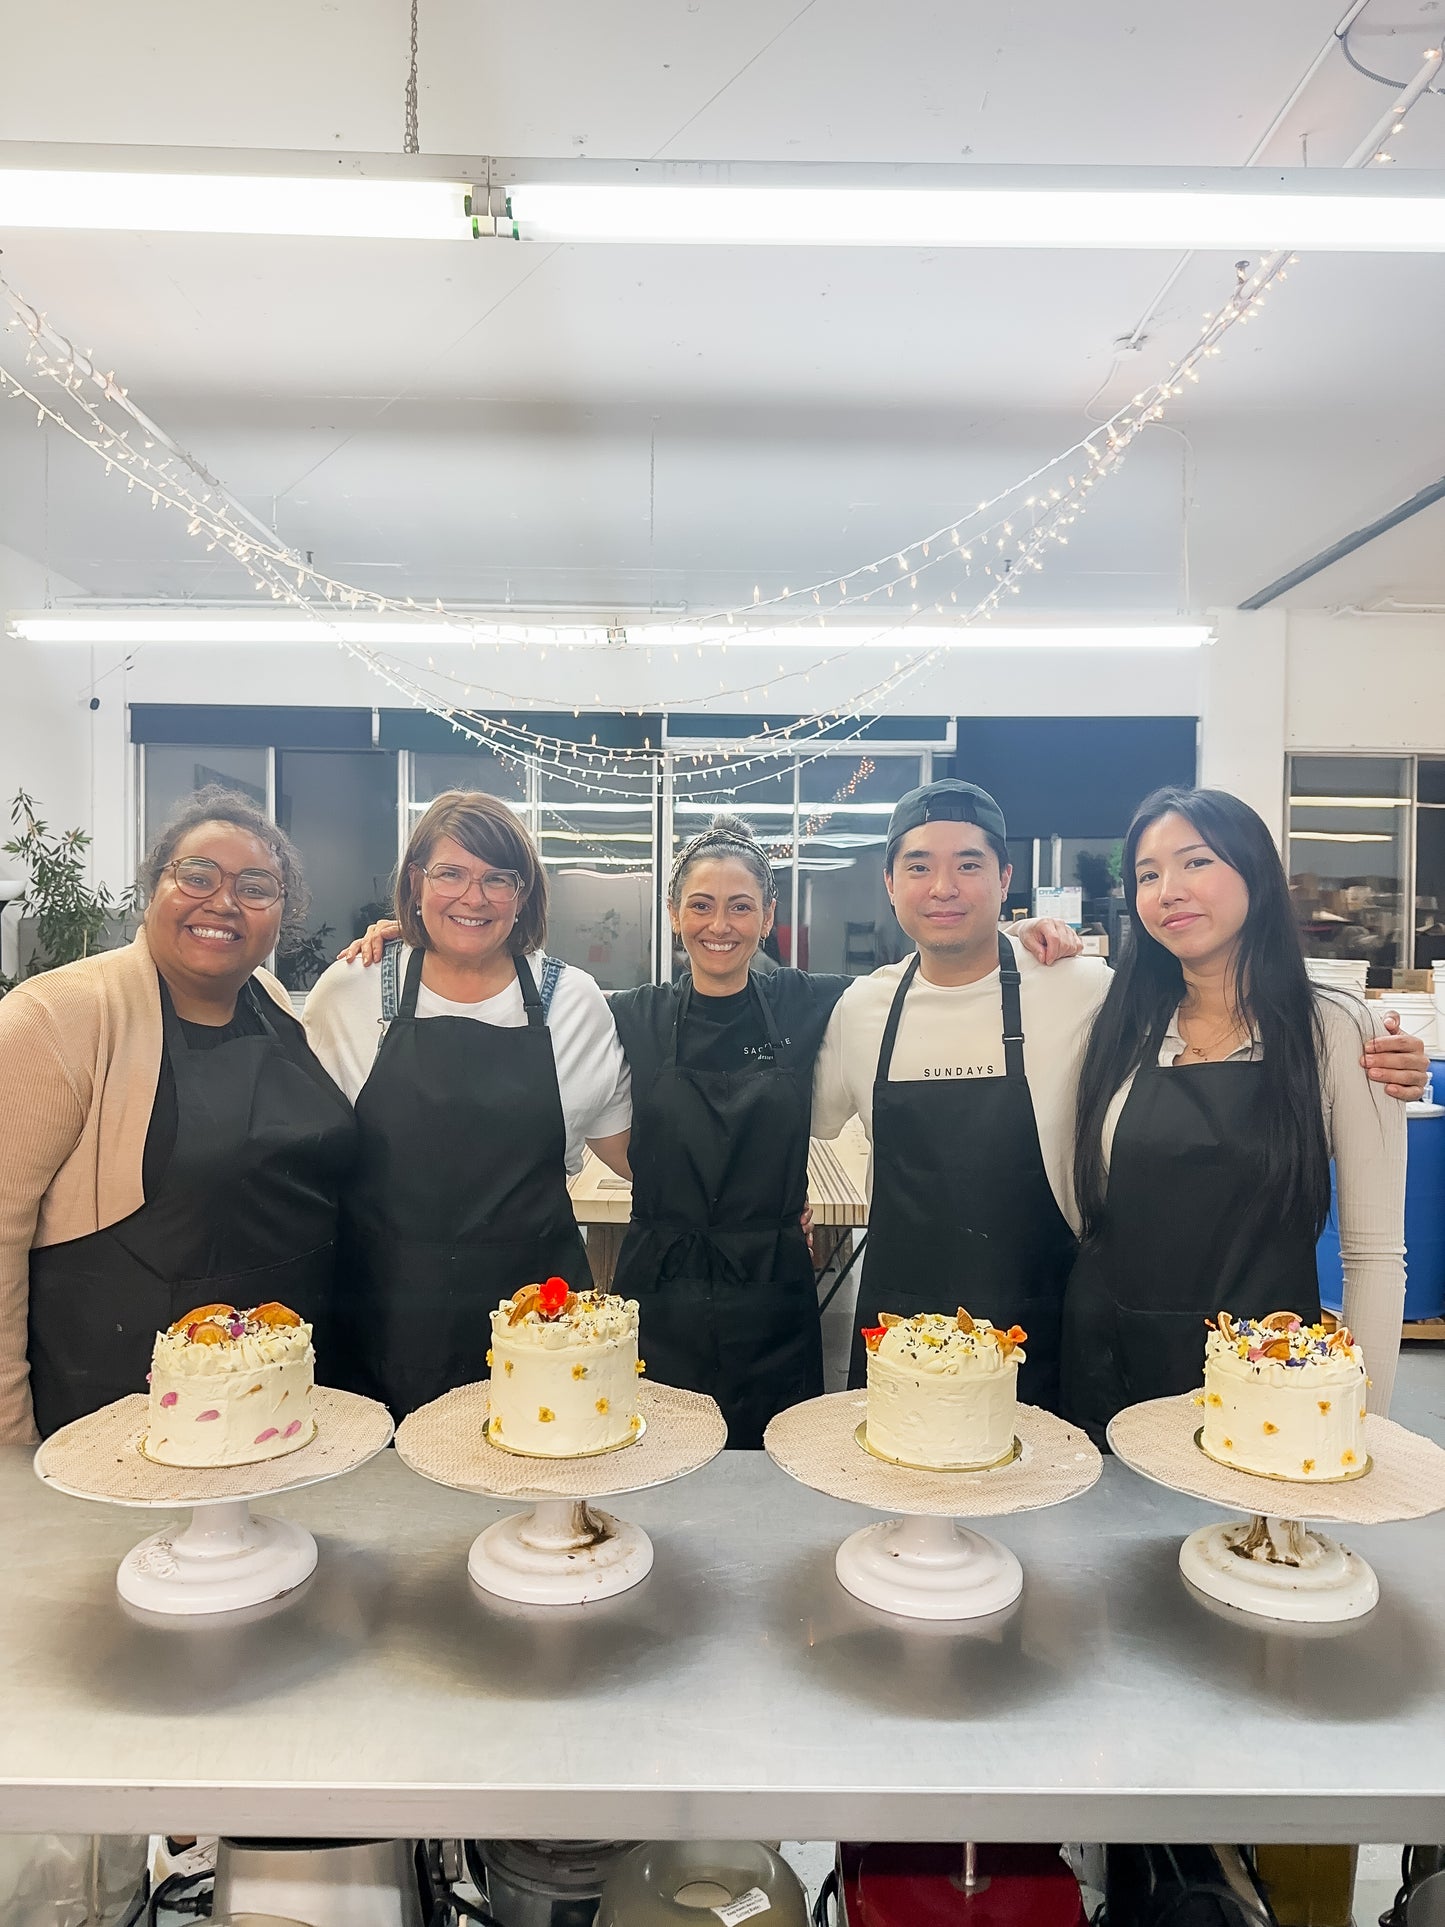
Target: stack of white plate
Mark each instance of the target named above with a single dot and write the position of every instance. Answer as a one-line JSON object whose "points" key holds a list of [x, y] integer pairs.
{"points": [[1338, 973], [1417, 1012]]}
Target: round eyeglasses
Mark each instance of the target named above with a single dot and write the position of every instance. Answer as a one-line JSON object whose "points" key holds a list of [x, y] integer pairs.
{"points": [[198, 876], [450, 880]]}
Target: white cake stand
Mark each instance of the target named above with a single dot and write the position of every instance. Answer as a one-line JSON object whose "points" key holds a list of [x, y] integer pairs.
{"points": [[1271, 1564], [562, 1552], [924, 1565], [225, 1557]]}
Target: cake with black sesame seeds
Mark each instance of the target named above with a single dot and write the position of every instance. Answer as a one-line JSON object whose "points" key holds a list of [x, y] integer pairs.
{"points": [[1283, 1398], [564, 1372], [942, 1392]]}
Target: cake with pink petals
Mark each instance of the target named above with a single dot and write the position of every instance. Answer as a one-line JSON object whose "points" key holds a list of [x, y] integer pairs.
{"points": [[231, 1387]]}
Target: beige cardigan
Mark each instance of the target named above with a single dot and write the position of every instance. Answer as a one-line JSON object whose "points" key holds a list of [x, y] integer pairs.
{"points": [[80, 1058]]}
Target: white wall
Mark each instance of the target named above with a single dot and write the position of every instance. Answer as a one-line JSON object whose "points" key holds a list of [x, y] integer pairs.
{"points": [[1272, 682]]}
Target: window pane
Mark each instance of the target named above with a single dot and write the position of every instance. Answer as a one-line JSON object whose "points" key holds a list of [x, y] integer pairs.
{"points": [[1348, 819], [763, 797], [1429, 888], [843, 833], [433, 771], [597, 849], [339, 807], [173, 773]]}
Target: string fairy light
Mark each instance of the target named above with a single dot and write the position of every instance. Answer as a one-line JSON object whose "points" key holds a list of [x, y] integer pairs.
{"points": [[986, 535]]}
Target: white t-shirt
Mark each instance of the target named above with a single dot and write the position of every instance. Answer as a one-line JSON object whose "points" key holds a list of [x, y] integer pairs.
{"points": [[343, 1024], [956, 1031]]}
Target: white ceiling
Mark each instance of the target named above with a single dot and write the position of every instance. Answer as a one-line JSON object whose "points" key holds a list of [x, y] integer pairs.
{"points": [[638, 426]]}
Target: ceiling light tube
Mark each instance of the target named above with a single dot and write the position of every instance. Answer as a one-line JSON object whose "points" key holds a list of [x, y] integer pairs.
{"points": [[376, 210], [449, 197], [133, 628]]}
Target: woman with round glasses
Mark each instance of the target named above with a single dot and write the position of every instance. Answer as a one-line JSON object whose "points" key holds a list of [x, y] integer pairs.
{"points": [[168, 1139], [479, 1068]]}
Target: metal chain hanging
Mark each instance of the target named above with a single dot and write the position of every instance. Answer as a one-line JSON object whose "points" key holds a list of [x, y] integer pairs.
{"points": [[412, 141]]}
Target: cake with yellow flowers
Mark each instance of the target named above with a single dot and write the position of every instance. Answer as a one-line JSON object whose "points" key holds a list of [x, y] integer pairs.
{"points": [[942, 1392], [565, 1372], [1284, 1398], [231, 1387]]}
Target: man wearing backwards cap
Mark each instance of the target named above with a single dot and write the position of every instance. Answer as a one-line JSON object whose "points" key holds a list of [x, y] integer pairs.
{"points": [[971, 1167]]}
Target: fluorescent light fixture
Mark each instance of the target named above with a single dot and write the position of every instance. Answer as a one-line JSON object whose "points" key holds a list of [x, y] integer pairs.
{"points": [[1348, 802], [132, 629], [973, 217], [1340, 836], [915, 205], [345, 208]]}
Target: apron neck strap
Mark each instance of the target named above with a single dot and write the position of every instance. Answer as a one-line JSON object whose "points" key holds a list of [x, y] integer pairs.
{"points": [[1013, 1026], [531, 1002], [895, 1015]]}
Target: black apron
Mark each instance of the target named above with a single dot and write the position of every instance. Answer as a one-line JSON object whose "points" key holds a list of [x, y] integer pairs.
{"points": [[963, 1212], [715, 1254], [1183, 1237], [460, 1196], [245, 1213]]}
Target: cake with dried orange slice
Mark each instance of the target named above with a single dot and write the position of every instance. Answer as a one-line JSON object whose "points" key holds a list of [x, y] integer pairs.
{"points": [[942, 1392], [231, 1387], [1284, 1398], [565, 1372]]}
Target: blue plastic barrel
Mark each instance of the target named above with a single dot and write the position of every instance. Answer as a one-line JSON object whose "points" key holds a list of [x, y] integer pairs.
{"points": [[1424, 1223]]}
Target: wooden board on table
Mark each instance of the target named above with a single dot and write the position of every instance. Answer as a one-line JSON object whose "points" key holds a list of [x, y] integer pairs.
{"points": [[837, 1185]]}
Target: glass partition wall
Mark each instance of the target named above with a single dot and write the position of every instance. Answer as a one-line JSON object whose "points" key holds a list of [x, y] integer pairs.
{"points": [[608, 846]]}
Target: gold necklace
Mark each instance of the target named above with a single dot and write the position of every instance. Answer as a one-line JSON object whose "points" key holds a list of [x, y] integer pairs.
{"points": [[1204, 1052]]}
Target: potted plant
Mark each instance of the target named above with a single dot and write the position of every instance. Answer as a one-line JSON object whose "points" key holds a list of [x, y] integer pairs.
{"points": [[71, 918]]}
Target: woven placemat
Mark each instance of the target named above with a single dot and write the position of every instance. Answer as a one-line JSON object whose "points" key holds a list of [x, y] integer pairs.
{"points": [[446, 1442], [1406, 1480], [815, 1444], [100, 1458]]}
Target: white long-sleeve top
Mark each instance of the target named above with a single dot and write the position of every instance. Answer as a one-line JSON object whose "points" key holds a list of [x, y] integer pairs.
{"points": [[1365, 1131]]}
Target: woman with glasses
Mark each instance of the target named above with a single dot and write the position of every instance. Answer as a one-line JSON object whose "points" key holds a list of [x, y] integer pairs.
{"points": [[167, 1137], [479, 1067]]}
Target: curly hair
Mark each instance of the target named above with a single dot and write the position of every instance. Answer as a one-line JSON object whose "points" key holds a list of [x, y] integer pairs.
{"points": [[216, 804]]}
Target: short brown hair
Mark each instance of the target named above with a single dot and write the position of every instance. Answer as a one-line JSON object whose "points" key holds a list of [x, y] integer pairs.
{"points": [[491, 830]]}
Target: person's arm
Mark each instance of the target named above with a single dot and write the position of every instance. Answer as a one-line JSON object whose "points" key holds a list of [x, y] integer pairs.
{"points": [[1047, 938], [341, 1020], [1366, 1129], [833, 1101], [41, 1123], [613, 1152], [370, 947], [1397, 1061]]}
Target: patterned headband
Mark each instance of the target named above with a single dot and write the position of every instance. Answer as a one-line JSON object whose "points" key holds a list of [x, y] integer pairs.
{"points": [[723, 841]]}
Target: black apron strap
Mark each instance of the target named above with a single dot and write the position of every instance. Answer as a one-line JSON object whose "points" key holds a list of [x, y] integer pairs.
{"points": [[407, 1007], [1013, 1026], [531, 1000], [895, 1015]]}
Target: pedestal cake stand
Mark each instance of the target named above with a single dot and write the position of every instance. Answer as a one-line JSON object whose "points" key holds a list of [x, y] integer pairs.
{"points": [[923, 1565], [561, 1553], [1272, 1564], [224, 1557]]}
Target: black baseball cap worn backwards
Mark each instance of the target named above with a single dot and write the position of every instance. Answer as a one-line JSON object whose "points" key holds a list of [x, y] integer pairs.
{"points": [[947, 801]]}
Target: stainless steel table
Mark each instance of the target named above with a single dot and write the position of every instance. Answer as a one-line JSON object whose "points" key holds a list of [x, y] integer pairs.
{"points": [[739, 1691]]}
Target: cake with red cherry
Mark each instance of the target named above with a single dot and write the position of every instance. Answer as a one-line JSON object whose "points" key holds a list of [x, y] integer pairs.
{"points": [[565, 1372]]}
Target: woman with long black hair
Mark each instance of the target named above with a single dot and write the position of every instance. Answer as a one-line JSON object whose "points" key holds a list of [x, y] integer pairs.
{"points": [[1218, 1084]]}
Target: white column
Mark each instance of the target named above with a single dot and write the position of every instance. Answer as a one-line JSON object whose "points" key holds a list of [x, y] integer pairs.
{"points": [[1243, 709]]}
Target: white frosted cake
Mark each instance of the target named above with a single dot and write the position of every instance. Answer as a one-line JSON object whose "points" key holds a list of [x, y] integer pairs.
{"points": [[1284, 1398], [565, 1372], [231, 1387], [942, 1392]]}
